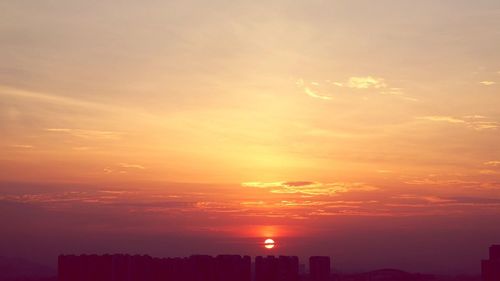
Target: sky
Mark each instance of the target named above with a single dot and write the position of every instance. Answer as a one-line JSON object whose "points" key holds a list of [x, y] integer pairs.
{"points": [[363, 130]]}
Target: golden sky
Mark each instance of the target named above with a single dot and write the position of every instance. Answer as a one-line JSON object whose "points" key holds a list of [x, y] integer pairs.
{"points": [[252, 118]]}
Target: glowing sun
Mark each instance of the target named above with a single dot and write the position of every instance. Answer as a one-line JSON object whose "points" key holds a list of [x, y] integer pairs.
{"points": [[269, 243]]}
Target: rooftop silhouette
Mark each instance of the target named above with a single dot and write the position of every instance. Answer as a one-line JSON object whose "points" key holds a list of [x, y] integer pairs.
{"points": [[319, 268], [490, 268]]}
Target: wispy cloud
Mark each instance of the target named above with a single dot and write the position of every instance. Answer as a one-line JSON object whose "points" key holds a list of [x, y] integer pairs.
{"points": [[489, 172], [465, 184], [82, 148], [49, 98], [436, 181], [426, 198], [87, 134], [258, 184], [358, 82], [365, 82], [487, 83], [310, 187], [476, 122], [131, 166], [22, 146], [493, 168], [313, 94], [439, 118], [123, 168], [493, 163], [382, 171], [475, 117], [353, 83]]}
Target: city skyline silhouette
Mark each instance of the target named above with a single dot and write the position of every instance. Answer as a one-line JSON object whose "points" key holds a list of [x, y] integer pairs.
{"points": [[222, 267], [122, 267]]}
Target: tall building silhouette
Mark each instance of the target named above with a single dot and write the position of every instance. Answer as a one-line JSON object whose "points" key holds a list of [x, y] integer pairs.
{"points": [[319, 268], [490, 268], [202, 268], [233, 268], [282, 268]]}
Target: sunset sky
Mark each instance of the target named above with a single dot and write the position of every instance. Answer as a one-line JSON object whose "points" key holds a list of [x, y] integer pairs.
{"points": [[364, 130]]}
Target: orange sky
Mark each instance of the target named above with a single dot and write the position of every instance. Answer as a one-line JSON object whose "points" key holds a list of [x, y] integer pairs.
{"points": [[250, 119]]}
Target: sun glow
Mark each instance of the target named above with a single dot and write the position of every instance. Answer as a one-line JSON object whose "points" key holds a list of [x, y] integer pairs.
{"points": [[269, 243]]}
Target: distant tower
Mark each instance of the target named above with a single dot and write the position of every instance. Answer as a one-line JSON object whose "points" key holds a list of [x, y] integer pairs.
{"points": [[319, 268], [491, 268]]}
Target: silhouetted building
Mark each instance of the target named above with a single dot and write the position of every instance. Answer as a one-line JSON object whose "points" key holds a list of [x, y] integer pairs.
{"points": [[233, 268], [495, 252], [491, 268], [319, 268], [146, 268], [283, 268], [202, 268]]}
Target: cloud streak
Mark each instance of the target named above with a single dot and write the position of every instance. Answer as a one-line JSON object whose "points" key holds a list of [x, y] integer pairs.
{"points": [[493, 163], [357, 83], [365, 82], [310, 188], [132, 166], [476, 122], [487, 83], [50, 98], [87, 134], [313, 94]]}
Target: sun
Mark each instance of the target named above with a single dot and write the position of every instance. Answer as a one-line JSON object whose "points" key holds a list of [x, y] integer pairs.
{"points": [[269, 243]]}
